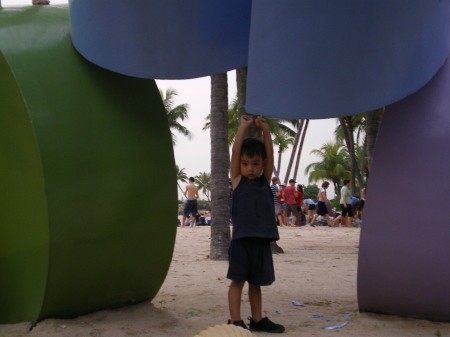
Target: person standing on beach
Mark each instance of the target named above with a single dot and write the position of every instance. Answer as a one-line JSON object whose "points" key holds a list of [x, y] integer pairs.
{"points": [[276, 203], [281, 201], [290, 197], [363, 201], [299, 202], [346, 203], [321, 204], [254, 225], [190, 208]]}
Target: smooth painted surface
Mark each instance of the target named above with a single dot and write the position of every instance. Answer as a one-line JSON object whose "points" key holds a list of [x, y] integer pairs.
{"points": [[24, 239], [95, 147], [323, 59], [404, 255], [170, 39]]}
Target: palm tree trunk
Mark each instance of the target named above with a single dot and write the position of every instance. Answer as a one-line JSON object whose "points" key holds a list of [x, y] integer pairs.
{"points": [[294, 151], [241, 85], [280, 152], [347, 129], [373, 120], [275, 171], [220, 163], [363, 159], [300, 148], [179, 187]]}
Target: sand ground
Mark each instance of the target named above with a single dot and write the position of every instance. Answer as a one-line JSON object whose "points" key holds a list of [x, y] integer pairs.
{"points": [[318, 270]]}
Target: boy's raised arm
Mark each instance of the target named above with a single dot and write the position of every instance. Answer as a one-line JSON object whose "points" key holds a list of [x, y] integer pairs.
{"points": [[268, 167], [235, 163]]}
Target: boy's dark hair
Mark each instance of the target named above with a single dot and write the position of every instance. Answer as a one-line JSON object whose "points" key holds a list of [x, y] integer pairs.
{"points": [[325, 184], [191, 179], [346, 181], [253, 147]]}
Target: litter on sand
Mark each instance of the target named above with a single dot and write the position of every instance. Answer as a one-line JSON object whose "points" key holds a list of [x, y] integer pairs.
{"points": [[316, 316], [298, 304], [335, 326], [346, 316], [193, 314]]}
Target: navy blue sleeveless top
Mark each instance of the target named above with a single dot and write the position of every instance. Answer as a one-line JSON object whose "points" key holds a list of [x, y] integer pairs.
{"points": [[253, 212]]}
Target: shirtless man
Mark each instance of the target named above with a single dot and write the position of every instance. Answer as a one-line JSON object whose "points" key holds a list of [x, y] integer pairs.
{"points": [[190, 208]]}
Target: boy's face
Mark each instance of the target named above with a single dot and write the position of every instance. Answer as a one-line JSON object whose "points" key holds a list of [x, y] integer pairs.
{"points": [[251, 167]]}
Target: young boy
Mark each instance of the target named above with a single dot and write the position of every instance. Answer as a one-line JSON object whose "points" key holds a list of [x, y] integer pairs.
{"points": [[254, 225]]}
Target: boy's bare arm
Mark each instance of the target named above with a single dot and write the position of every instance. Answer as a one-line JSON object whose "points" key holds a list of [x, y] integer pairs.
{"points": [[235, 163], [268, 168]]}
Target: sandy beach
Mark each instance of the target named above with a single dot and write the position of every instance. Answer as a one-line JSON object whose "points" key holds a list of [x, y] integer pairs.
{"points": [[318, 270]]}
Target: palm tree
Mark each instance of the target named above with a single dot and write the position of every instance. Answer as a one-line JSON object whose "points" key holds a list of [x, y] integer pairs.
{"points": [[175, 113], [220, 163], [181, 176], [373, 120], [300, 148], [283, 140], [277, 128], [294, 150], [334, 166], [346, 130], [203, 181], [233, 121]]}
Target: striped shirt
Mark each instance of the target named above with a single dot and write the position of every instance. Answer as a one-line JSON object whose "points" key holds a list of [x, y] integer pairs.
{"points": [[274, 188]]}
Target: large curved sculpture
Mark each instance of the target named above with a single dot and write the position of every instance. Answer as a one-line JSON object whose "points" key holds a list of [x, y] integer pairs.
{"points": [[86, 158], [320, 59], [327, 59], [404, 259]]}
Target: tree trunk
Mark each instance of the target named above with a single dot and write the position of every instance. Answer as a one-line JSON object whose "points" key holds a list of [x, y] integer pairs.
{"points": [[180, 187], [347, 130], [294, 151], [220, 163], [280, 153], [363, 159], [300, 148], [373, 120]]}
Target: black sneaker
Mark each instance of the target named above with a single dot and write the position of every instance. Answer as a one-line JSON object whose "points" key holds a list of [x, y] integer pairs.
{"points": [[239, 323], [265, 325]]}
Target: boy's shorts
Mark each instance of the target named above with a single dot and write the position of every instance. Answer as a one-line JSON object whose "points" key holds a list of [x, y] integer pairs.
{"points": [[251, 260], [312, 207]]}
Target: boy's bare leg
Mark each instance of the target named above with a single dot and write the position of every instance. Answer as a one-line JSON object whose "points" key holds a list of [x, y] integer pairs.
{"points": [[183, 223], [234, 300], [255, 297], [193, 221]]}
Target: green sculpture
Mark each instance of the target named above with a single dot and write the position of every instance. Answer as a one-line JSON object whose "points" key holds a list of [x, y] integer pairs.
{"points": [[86, 176]]}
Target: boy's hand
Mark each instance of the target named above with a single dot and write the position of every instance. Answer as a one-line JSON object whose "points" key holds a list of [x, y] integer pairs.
{"points": [[246, 120], [261, 123]]}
